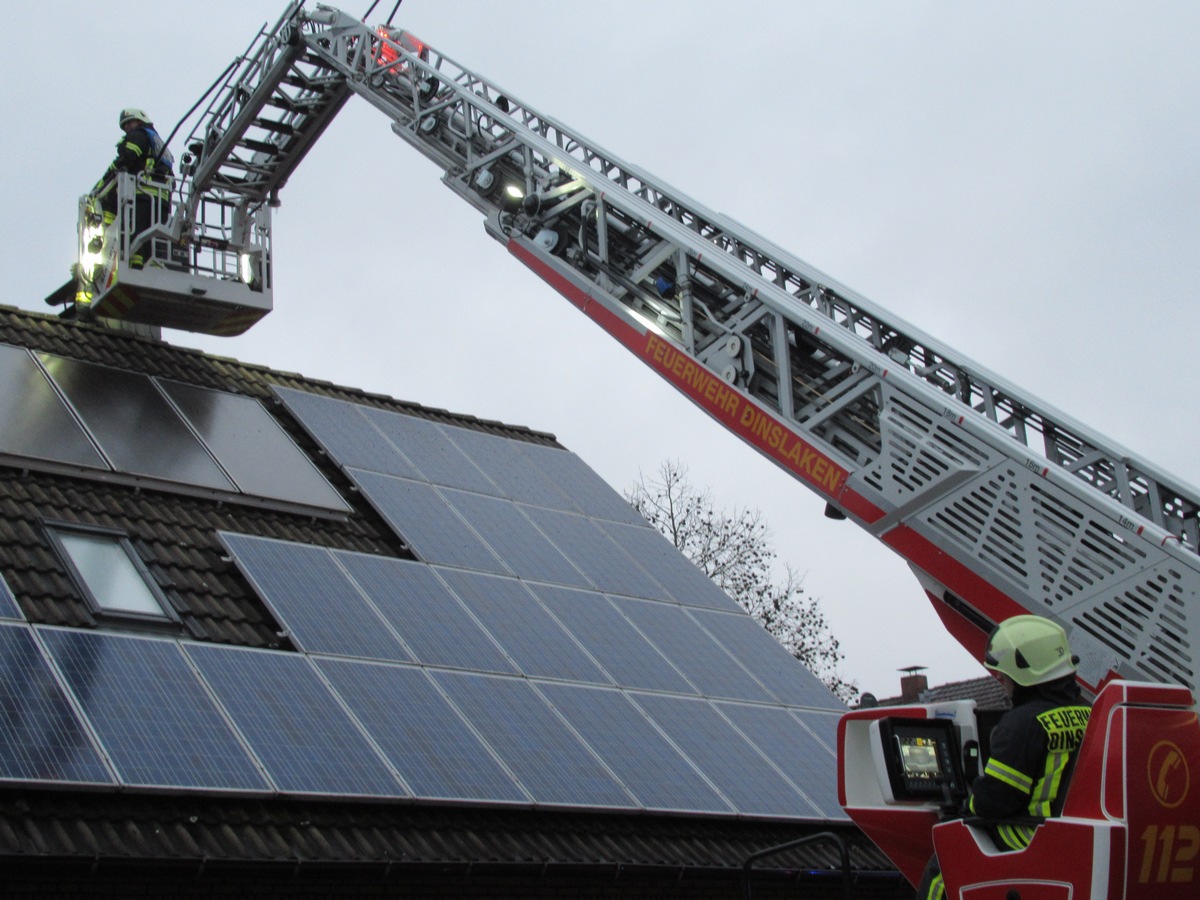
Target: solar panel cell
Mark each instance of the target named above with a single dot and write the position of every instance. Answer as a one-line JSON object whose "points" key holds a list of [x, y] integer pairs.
{"points": [[136, 427], [422, 517], [793, 749], [634, 749], [692, 650], [420, 733], [550, 762], [514, 538], [629, 658], [313, 598], [41, 738], [533, 639], [34, 422], [152, 715], [754, 647], [251, 446], [430, 620], [306, 742], [741, 774], [508, 468], [433, 455], [343, 430], [587, 491], [683, 582], [607, 567], [823, 726]]}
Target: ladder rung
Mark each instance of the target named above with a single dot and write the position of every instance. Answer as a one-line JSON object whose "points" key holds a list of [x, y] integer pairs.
{"points": [[277, 127], [257, 168], [300, 80], [261, 146], [282, 101]]}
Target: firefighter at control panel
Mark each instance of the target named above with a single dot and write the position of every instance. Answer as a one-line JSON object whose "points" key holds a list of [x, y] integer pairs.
{"points": [[1033, 744]]}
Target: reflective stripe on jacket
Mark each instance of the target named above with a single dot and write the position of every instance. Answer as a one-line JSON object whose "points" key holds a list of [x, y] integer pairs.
{"points": [[1031, 748], [142, 152]]}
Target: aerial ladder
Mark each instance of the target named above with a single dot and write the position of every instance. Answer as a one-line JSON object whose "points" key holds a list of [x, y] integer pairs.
{"points": [[999, 503]]}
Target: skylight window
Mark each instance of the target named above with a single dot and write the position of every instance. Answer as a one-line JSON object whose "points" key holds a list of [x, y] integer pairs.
{"points": [[109, 574]]}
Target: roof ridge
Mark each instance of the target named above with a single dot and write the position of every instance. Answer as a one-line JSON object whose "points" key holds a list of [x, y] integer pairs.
{"points": [[94, 343]]}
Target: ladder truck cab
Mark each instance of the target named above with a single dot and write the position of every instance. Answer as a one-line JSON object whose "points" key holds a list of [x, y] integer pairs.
{"points": [[1001, 504]]}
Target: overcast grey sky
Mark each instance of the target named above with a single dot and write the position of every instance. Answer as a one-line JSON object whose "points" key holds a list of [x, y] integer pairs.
{"points": [[1018, 179]]}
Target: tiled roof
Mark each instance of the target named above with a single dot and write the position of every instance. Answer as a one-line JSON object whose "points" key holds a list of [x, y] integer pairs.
{"points": [[985, 691], [262, 831], [176, 536], [123, 350]]}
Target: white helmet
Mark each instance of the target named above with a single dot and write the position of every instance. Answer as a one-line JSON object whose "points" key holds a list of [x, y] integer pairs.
{"points": [[130, 113]]}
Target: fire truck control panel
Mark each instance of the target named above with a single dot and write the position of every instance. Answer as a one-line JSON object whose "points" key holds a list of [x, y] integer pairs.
{"points": [[1129, 822]]}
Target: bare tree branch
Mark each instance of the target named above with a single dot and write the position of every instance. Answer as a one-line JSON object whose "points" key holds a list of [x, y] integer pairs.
{"points": [[735, 550]]}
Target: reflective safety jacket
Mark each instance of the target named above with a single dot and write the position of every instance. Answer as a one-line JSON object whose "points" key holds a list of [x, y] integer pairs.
{"points": [[142, 152], [1031, 748]]}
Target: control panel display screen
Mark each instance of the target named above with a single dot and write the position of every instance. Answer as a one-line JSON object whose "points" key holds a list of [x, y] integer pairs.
{"points": [[919, 758], [922, 760]]}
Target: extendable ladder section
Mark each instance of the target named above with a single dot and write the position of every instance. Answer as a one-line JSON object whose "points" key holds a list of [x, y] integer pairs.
{"points": [[1000, 503], [270, 109]]}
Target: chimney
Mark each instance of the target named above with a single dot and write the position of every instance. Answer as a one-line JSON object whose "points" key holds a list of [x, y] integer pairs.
{"points": [[912, 684]]}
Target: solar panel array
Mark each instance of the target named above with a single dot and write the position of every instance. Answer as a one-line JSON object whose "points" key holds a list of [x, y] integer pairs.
{"points": [[537, 582], [338, 603], [539, 652], [63, 413], [104, 709]]}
